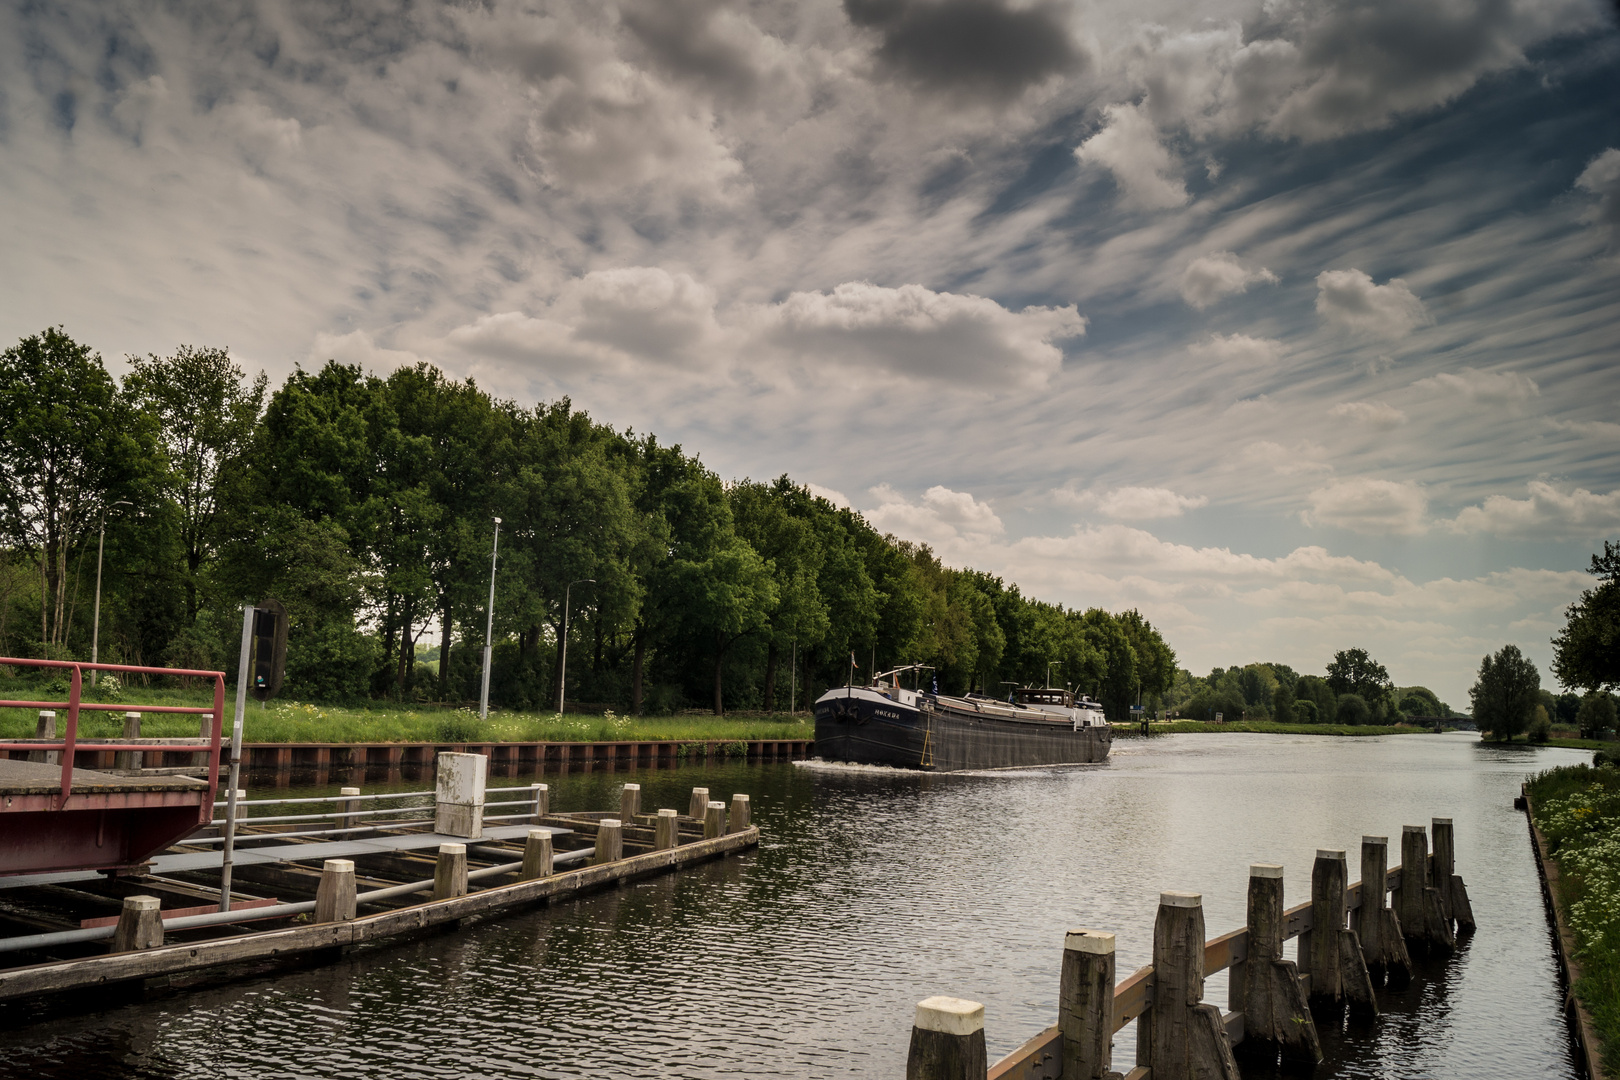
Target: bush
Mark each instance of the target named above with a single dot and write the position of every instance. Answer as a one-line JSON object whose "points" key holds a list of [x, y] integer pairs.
{"points": [[1540, 725], [1353, 710], [1596, 713], [1305, 711]]}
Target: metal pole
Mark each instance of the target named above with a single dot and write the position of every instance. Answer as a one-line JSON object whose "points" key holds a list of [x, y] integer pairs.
{"points": [[236, 759], [95, 632], [562, 668], [489, 623], [793, 694]]}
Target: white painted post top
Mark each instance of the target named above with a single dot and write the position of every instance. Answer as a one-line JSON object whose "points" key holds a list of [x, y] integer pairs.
{"points": [[1411, 828], [1181, 899], [1265, 870], [1439, 821], [141, 903], [1095, 942], [452, 849], [715, 802], [542, 787], [742, 798], [632, 787], [349, 791], [338, 866], [703, 791], [951, 1016], [132, 716], [1376, 841], [1336, 854], [47, 712], [611, 823], [539, 834], [669, 813]]}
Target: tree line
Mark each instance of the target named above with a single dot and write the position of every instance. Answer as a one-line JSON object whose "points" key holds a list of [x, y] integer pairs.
{"points": [[366, 505]]}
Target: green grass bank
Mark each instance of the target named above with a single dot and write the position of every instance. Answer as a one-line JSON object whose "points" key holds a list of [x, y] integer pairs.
{"points": [[1577, 809], [1265, 727]]}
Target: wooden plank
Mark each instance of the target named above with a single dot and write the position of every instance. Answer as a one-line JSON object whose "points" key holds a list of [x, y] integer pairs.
{"points": [[1222, 952], [1233, 1023], [1141, 1072], [1039, 1058], [1297, 920], [1133, 996]]}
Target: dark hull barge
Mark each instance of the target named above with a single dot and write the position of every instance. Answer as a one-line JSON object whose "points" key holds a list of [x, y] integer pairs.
{"points": [[883, 724]]}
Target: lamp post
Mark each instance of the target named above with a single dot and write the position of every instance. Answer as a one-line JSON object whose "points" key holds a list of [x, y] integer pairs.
{"points": [[95, 632], [562, 667], [489, 623], [1050, 664]]}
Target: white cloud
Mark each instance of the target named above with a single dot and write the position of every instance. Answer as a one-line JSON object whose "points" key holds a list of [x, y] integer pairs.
{"points": [[1133, 503], [1601, 177], [1349, 299], [1128, 146], [1365, 505], [1379, 415], [357, 347], [1238, 350], [1300, 458], [1485, 387], [943, 518], [837, 498], [1547, 514], [1214, 277]]}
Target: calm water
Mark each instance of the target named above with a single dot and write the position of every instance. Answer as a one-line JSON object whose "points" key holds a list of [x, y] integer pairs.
{"points": [[871, 891]]}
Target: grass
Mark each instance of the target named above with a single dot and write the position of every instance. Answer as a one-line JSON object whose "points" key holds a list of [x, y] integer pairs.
{"points": [[1266, 727], [1577, 808], [291, 721]]}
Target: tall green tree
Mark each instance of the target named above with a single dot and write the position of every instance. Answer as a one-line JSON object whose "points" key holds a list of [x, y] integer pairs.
{"points": [[779, 520], [1354, 672], [1507, 689], [1586, 652]]}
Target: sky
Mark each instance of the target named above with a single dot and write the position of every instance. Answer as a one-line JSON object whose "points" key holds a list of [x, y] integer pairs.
{"points": [[1293, 325]]}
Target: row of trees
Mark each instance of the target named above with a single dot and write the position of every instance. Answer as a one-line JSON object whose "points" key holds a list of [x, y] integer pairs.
{"points": [[367, 506], [1355, 689]]}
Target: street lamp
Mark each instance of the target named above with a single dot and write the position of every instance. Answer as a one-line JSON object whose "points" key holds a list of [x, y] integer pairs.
{"points": [[95, 633], [489, 624], [1050, 664], [562, 668]]}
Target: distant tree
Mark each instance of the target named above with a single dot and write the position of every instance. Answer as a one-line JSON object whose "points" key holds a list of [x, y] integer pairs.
{"points": [[1540, 725], [1315, 689], [1354, 672], [1419, 701], [1569, 707], [1282, 703], [1305, 711], [1586, 653], [1505, 694], [1596, 712], [1353, 709], [1258, 685]]}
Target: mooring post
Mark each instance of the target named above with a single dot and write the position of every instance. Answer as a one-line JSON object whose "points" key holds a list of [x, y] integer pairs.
{"points": [[609, 841], [1376, 923], [450, 872], [537, 855], [540, 794], [1421, 918], [667, 834], [947, 1041], [347, 807], [1187, 1039], [1086, 1004], [700, 803], [130, 759], [1275, 1015], [335, 896], [629, 803], [140, 924], [1327, 919], [459, 795], [1444, 864], [45, 728], [738, 821], [714, 820]]}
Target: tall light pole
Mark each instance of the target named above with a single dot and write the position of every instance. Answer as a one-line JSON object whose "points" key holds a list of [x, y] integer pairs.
{"points": [[1050, 664], [489, 623], [562, 667], [95, 632]]}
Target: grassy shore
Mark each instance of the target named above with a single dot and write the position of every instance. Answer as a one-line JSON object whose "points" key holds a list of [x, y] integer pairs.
{"points": [[1264, 727], [290, 721], [1577, 808]]}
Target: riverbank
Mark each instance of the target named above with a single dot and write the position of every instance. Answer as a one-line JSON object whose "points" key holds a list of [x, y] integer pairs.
{"points": [[1576, 811], [1266, 727]]}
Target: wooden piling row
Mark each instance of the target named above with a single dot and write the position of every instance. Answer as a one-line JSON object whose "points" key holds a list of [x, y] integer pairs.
{"points": [[1346, 933]]}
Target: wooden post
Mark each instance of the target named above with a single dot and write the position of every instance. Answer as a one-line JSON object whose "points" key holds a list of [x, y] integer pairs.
{"points": [[335, 896], [1444, 864], [668, 833], [1375, 923], [450, 872], [1414, 880], [629, 803], [459, 795], [536, 855], [1275, 1015], [140, 924], [347, 807], [541, 793], [700, 803], [1327, 918], [129, 760], [1187, 1038], [609, 841], [714, 820], [45, 728], [1086, 1004], [738, 821], [947, 1041]]}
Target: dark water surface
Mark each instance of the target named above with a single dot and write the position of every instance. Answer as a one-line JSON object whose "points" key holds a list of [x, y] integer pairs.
{"points": [[870, 891]]}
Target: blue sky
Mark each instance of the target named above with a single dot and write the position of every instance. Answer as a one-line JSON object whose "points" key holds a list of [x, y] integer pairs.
{"points": [[1293, 325]]}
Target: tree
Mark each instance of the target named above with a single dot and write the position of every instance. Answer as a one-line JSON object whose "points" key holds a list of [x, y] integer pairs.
{"points": [[1416, 701], [1155, 659], [1305, 711], [1597, 712], [1505, 693], [780, 522], [1586, 653], [1353, 709], [1315, 689], [1354, 672]]}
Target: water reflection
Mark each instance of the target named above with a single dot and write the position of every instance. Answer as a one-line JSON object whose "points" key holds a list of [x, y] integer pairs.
{"points": [[873, 890]]}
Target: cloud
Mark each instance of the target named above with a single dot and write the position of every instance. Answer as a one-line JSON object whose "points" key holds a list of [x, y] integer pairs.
{"points": [[1300, 458], [1547, 514], [1128, 146], [1214, 277], [1236, 349], [969, 48], [1349, 299], [358, 348], [1378, 415], [1485, 387], [945, 519], [837, 498], [1601, 178], [1365, 505], [1133, 503]]}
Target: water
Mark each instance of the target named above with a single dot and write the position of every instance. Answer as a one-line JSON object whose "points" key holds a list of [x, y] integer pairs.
{"points": [[870, 891]]}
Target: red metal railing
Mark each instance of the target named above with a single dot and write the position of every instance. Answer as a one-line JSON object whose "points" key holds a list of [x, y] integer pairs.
{"points": [[74, 706]]}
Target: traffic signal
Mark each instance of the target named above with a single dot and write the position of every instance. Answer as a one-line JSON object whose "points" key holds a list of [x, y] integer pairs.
{"points": [[269, 649]]}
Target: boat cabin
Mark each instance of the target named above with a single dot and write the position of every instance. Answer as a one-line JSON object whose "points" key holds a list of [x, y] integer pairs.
{"points": [[1043, 696]]}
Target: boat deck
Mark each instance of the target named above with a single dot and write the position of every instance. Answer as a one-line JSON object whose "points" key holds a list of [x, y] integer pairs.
{"points": [[39, 778]]}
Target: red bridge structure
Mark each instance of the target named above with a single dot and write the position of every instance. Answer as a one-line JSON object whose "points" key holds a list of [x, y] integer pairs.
{"points": [[55, 817]]}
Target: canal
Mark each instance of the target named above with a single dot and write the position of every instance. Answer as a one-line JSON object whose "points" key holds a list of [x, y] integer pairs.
{"points": [[871, 890]]}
